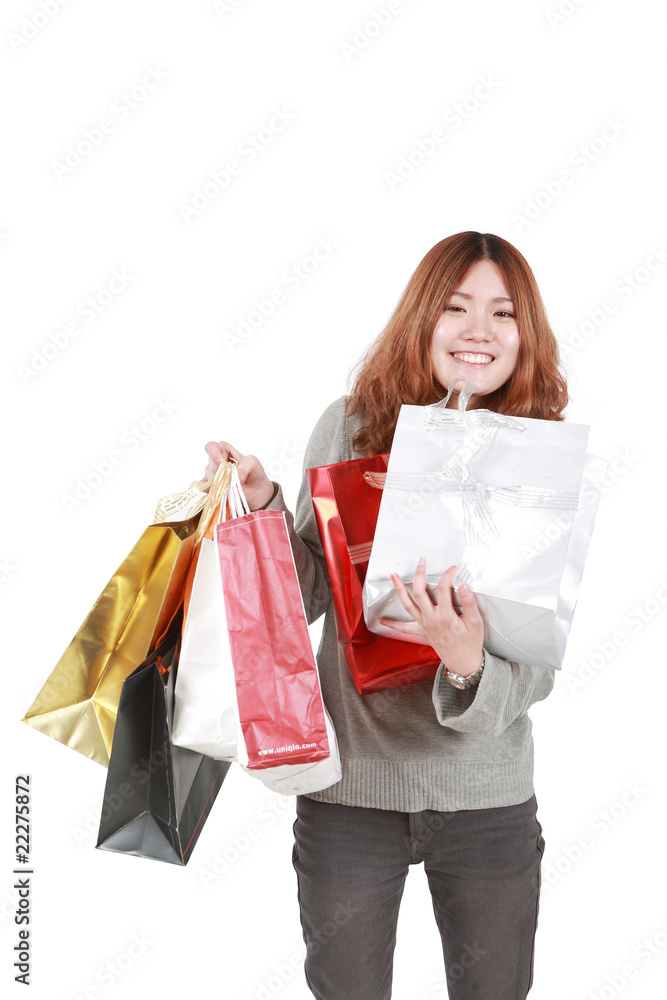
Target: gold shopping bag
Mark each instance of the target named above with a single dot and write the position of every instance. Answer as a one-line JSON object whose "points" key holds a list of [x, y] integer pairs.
{"points": [[78, 703]]}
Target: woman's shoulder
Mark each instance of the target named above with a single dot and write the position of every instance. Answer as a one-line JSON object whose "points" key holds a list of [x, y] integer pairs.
{"points": [[336, 410], [333, 432], [336, 414]]}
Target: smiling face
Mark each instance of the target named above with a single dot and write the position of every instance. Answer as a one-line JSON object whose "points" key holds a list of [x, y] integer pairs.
{"points": [[477, 334]]}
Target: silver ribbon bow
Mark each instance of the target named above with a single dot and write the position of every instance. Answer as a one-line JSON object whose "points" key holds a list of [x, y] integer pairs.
{"points": [[480, 428]]}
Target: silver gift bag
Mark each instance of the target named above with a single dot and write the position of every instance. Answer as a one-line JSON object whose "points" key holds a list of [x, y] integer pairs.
{"points": [[510, 500]]}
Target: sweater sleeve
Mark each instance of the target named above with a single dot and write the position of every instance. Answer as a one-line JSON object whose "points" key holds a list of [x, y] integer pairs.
{"points": [[505, 691], [328, 443]]}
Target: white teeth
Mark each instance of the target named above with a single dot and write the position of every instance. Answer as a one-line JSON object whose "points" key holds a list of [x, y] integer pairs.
{"points": [[474, 359]]}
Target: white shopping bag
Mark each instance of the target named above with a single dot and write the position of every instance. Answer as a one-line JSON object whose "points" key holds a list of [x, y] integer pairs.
{"points": [[205, 711], [511, 501]]}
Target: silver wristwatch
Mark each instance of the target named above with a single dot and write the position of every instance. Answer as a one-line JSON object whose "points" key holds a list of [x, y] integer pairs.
{"points": [[457, 681]]}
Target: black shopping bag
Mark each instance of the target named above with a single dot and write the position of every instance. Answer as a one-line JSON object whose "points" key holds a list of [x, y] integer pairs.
{"points": [[157, 795]]}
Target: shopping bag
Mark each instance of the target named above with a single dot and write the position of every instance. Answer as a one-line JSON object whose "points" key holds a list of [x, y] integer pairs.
{"points": [[248, 688], [77, 704], [510, 501], [346, 508], [301, 779], [277, 685], [205, 709], [157, 795]]}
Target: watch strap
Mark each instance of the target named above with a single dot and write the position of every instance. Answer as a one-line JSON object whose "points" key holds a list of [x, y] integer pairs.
{"points": [[462, 683]]}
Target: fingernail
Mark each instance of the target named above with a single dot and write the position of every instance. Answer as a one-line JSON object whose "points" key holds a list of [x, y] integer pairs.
{"points": [[422, 561], [464, 588]]}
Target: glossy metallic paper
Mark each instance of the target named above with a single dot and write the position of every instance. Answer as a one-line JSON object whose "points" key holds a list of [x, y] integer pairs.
{"points": [[78, 703], [510, 501]]}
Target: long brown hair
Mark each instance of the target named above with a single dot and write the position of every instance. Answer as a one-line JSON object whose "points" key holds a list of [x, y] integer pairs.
{"points": [[397, 368]]}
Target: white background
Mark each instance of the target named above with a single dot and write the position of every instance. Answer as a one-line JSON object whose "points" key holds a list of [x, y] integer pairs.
{"points": [[360, 94]]}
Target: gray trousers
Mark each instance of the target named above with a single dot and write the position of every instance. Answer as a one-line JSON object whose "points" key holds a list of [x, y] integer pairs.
{"points": [[483, 870]]}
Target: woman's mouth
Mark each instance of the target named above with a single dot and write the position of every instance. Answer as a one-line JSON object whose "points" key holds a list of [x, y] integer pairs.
{"points": [[472, 359]]}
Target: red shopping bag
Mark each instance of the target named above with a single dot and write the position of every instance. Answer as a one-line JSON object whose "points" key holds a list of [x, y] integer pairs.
{"points": [[346, 511], [277, 684]]}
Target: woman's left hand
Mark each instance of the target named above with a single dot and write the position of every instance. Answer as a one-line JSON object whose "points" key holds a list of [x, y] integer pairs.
{"points": [[456, 638]]}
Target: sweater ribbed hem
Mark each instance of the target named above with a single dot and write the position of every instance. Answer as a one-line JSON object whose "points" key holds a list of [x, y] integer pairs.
{"points": [[418, 785]]}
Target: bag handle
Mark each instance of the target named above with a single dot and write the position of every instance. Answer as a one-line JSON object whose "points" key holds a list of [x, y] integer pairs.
{"points": [[234, 503], [226, 500], [176, 507], [201, 496], [215, 501], [237, 502]]}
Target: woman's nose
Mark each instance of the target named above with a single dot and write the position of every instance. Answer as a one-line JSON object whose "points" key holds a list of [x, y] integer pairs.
{"points": [[480, 327]]}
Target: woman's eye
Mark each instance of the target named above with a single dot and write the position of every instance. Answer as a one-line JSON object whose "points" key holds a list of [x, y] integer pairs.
{"points": [[453, 309], [503, 313]]}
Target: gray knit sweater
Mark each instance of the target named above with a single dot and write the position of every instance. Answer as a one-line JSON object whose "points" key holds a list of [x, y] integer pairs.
{"points": [[428, 745]]}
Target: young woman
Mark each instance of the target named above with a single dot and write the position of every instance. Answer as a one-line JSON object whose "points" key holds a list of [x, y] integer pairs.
{"points": [[439, 772]]}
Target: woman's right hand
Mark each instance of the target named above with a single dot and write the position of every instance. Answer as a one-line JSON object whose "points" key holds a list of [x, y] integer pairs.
{"points": [[256, 485]]}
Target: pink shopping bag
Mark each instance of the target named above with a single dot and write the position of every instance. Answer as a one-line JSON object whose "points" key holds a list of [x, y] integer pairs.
{"points": [[277, 684]]}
